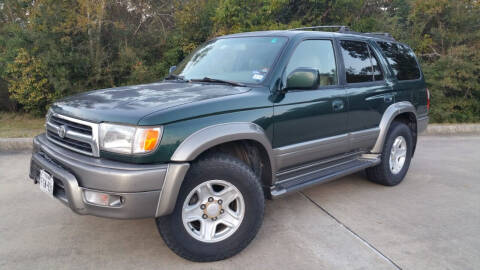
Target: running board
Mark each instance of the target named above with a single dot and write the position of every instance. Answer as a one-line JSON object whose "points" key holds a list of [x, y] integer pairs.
{"points": [[323, 175]]}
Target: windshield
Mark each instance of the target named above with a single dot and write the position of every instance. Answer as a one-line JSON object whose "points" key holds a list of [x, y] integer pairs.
{"points": [[243, 60]]}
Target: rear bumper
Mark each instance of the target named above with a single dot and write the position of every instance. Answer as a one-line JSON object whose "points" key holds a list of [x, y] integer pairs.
{"points": [[422, 124], [139, 185]]}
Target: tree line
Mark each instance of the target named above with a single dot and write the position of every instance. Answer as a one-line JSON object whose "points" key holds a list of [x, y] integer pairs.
{"points": [[53, 48]]}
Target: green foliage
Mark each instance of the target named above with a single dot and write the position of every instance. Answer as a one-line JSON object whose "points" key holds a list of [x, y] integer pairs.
{"points": [[74, 46], [454, 81], [28, 82], [53, 48]]}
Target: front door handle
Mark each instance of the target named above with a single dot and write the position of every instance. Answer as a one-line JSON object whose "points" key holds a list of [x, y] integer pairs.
{"points": [[388, 98], [338, 105]]}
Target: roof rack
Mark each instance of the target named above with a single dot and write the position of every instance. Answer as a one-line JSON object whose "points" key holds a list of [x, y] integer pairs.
{"points": [[342, 28], [383, 35], [346, 30]]}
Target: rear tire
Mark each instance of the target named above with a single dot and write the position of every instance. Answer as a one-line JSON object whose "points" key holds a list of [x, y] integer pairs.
{"points": [[395, 157], [202, 189]]}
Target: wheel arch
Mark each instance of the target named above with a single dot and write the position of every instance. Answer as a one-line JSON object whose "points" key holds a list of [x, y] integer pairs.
{"points": [[403, 111], [253, 154], [227, 135], [211, 136]]}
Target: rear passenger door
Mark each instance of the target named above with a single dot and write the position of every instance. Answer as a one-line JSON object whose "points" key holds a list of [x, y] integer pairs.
{"points": [[369, 93]]}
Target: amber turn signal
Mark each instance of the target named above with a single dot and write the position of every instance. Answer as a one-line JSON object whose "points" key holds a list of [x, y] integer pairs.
{"points": [[146, 139]]}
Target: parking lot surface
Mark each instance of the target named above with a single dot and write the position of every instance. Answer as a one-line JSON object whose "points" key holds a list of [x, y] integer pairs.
{"points": [[430, 221]]}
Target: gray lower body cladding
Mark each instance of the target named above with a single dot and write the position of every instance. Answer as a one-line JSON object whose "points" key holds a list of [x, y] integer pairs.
{"points": [[422, 123], [139, 185]]}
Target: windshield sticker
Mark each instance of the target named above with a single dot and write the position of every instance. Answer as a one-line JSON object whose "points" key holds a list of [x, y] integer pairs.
{"points": [[274, 40], [257, 77]]}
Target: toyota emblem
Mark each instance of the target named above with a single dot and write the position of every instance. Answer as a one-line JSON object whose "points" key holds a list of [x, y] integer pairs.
{"points": [[62, 130]]}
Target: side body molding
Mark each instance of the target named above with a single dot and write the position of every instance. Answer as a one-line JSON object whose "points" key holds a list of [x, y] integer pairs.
{"points": [[390, 113]]}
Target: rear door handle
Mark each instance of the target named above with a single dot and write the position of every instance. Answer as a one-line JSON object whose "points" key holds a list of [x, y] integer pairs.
{"points": [[338, 105]]}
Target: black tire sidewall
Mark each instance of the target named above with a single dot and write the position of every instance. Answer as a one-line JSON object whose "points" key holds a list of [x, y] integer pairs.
{"points": [[397, 129]]}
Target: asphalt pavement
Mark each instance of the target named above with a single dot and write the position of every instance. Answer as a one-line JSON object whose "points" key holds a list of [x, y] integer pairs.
{"points": [[430, 221]]}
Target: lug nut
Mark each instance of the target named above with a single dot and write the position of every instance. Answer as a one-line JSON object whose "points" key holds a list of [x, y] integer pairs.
{"points": [[202, 206], [220, 201], [204, 216], [210, 199], [222, 211], [214, 218]]}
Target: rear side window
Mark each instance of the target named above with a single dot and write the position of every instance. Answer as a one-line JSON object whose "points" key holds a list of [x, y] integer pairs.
{"points": [[316, 54], [360, 64], [401, 59]]}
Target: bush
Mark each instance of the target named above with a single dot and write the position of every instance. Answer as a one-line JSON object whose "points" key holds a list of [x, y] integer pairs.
{"points": [[29, 85], [454, 82]]}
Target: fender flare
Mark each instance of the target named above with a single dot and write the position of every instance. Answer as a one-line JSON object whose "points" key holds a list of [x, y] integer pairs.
{"points": [[210, 136], [390, 113], [197, 143]]}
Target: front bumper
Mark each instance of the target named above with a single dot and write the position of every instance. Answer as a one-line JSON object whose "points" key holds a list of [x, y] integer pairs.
{"points": [[139, 185]]}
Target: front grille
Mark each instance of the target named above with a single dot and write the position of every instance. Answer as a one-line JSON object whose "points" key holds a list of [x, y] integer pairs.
{"points": [[70, 142], [71, 125], [74, 134]]}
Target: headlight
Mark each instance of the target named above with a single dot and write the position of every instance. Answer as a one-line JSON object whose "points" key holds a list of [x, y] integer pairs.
{"points": [[129, 139]]}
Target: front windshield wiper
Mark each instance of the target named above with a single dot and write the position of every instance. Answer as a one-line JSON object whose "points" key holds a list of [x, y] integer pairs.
{"points": [[176, 77], [208, 79]]}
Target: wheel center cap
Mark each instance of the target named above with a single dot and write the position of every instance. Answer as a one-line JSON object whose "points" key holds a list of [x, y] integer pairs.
{"points": [[212, 209]]}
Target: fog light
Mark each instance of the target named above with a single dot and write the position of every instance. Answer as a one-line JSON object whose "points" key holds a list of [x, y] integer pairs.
{"points": [[103, 199]]}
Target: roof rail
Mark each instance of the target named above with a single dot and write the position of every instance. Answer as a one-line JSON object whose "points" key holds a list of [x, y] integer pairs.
{"points": [[381, 35], [346, 30], [342, 28]]}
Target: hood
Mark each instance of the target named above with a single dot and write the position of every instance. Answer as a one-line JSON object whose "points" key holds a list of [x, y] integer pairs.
{"points": [[129, 104]]}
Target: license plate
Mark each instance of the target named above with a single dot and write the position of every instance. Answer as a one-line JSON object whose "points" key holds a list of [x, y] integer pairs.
{"points": [[46, 182]]}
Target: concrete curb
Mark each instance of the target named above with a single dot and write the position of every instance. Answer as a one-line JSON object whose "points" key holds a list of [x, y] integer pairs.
{"points": [[452, 129], [15, 144], [21, 144]]}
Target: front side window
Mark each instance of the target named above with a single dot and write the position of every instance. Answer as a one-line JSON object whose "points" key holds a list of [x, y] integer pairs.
{"points": [[360, 63], [315, 54], [402, 60], [243, 60]]}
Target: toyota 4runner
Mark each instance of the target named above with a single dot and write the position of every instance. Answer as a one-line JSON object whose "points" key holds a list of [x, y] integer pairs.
{"points": [[245, 117]]}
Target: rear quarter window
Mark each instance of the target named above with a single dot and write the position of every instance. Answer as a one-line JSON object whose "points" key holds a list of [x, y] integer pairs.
{"points": [[402, 60]]}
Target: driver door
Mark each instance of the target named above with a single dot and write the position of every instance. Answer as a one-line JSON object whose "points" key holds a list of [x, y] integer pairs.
{"points": [[311, 124]]}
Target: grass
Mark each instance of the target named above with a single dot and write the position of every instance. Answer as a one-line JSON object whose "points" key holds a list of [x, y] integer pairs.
{"points": [[15, 125]]}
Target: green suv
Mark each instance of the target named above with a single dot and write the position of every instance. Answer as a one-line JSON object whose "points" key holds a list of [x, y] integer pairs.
{"points": [[244, 118]]}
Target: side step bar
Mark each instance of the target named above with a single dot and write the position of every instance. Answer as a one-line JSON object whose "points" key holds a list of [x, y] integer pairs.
{"points": [[323, 175]]}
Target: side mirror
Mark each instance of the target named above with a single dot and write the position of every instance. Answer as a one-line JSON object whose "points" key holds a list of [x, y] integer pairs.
{"points": [[303, 78], [172, 69]]}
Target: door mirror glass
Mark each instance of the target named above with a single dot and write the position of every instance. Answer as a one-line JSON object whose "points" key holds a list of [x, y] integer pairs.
{"points": [[172, 69], [303, 78]]}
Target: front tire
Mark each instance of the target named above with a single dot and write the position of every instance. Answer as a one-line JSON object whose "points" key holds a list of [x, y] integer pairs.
{"points": [[396, 156], [218, 212]]}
